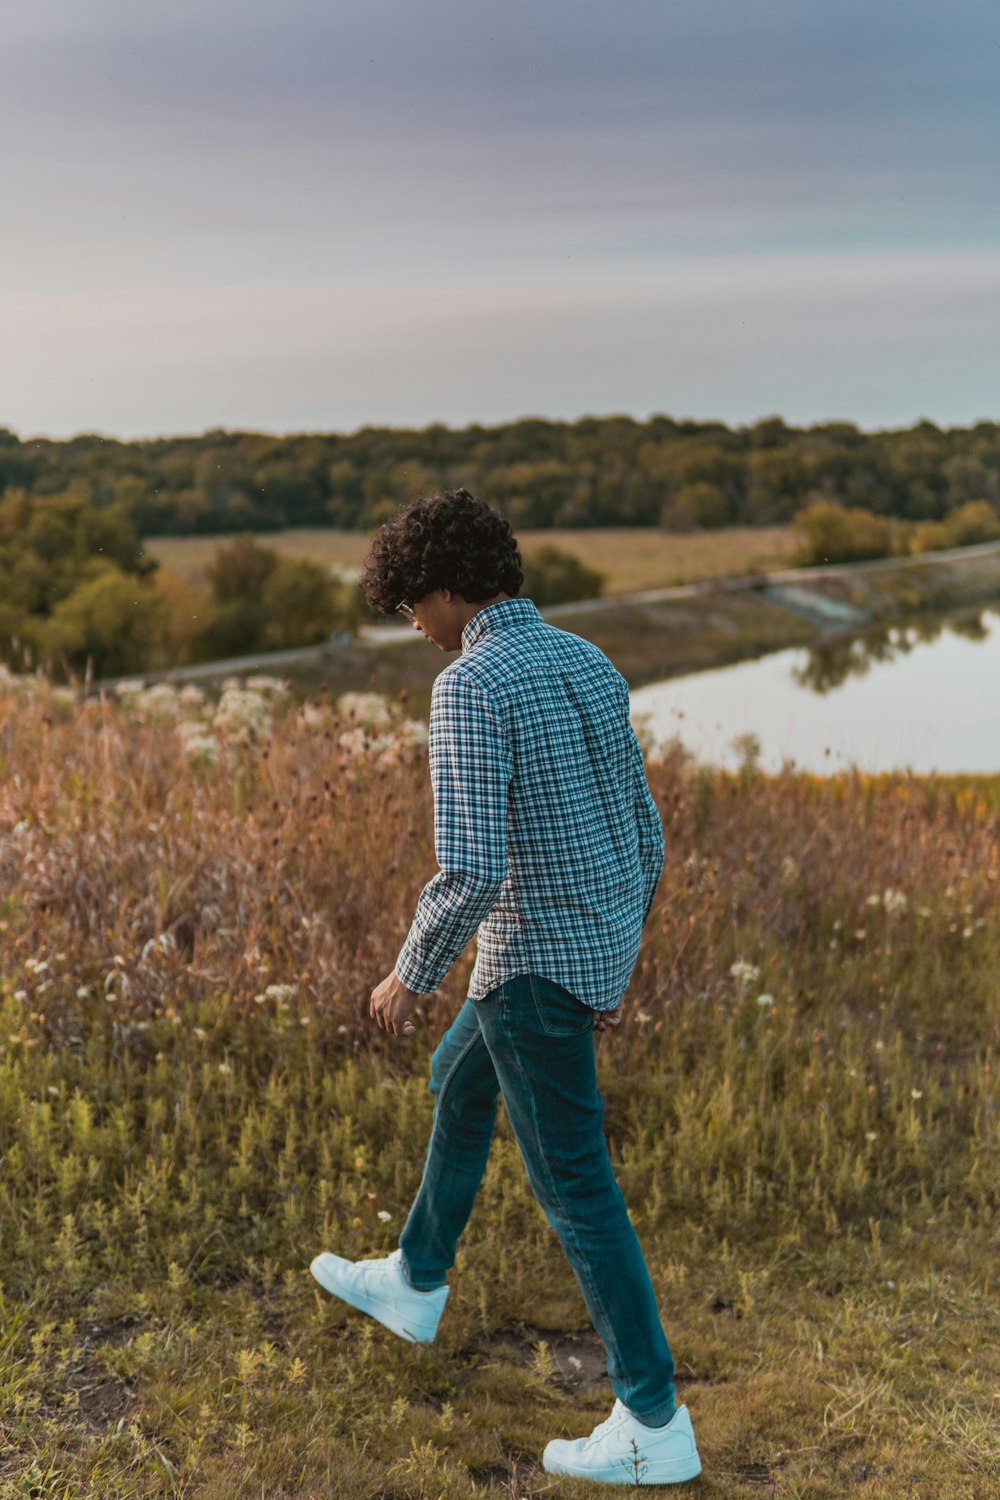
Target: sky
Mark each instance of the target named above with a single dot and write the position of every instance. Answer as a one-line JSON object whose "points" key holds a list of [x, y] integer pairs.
{"points": [[315, 216]]}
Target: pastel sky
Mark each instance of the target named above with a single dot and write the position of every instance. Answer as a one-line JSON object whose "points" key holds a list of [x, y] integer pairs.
{"points": [[316, 215]]}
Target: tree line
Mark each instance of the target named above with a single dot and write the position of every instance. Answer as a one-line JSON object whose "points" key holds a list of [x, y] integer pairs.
{"points": [[78, 593], [599, 471]]}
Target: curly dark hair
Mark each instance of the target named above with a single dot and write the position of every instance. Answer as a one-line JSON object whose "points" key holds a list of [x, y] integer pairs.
{"points": [[451, 540]]}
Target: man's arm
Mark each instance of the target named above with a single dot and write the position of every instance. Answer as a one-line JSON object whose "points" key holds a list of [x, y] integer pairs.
{"points": [[652, 846], [471, 768]]}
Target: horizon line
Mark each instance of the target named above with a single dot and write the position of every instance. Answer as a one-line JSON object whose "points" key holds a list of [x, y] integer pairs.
{"points": [[488, 426]]}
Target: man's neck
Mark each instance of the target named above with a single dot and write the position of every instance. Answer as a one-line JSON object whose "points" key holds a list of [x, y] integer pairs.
{"points": [[471, 610]]}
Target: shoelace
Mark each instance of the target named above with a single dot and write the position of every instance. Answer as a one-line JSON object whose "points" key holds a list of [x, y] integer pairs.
{"points": [[609, 1422]]}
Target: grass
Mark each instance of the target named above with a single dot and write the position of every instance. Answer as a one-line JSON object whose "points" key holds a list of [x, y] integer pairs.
{"points": [[632, 557], [801, 1105]]}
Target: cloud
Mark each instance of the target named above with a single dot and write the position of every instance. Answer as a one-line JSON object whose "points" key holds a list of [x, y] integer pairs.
{"points": [[221, 168]]}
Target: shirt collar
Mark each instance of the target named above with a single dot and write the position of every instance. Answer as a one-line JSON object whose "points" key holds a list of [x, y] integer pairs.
{"points": [[495, 617]]}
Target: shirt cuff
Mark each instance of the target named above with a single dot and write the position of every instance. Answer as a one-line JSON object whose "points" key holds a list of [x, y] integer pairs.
{"points": [[417, 976]]}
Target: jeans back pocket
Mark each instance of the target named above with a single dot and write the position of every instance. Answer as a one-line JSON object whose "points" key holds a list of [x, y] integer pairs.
{"points": [[559, 1012]]}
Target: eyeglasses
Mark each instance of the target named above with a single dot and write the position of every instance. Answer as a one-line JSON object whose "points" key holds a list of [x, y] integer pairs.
{"points": [[404, 609]]}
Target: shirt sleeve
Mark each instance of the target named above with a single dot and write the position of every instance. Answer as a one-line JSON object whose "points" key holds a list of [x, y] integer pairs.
{"points": [[652, 845], [471, 768]]}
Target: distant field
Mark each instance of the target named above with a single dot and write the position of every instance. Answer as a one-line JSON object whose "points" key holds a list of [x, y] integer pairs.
{"points": [[632, 557]]}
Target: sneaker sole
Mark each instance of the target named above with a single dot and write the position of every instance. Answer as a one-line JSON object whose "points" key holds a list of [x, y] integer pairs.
{"points": [[382, 1312], [656, 1471]]}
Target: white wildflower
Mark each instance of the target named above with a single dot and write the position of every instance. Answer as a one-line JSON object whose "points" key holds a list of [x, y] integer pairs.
{"points": [[916, 1093], [369, 709], [270, 687], [157, 703], [643, 1017], [765, 1000], [280, 992], [870, 1135], [874, 900], [744, 973], [354, 741], [790, 871], [199, 747], [895, 902], [225, 1068], [384, 1215], [241, 715], [312, 716]]}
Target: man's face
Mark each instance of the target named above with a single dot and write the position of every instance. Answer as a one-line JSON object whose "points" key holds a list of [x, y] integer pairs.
{"points": [[440, 616]]}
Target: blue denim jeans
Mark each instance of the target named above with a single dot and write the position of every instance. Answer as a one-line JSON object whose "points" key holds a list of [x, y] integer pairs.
{"points": [[531, 1041]]}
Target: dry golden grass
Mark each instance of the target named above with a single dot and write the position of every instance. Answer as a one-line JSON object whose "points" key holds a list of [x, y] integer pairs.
{"points": [[801, 1104], [634, 558], [648, 558]]}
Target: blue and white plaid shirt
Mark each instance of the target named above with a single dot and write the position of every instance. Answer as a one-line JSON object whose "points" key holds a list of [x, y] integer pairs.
{"points": [[548, 838]]}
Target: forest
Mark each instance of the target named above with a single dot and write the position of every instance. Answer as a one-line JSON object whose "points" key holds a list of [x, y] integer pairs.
{"points": [[599, 471]]}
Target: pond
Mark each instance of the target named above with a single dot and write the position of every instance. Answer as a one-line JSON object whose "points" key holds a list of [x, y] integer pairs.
{"points": [[922, 696]]}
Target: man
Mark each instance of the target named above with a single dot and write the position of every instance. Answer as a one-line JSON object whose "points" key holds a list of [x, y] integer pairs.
{"points": [[551, 848]]}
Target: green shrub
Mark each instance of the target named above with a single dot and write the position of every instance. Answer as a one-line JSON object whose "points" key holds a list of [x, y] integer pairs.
{"points": [[975, 522], [552, 576], [930, 536], [832, 533]]}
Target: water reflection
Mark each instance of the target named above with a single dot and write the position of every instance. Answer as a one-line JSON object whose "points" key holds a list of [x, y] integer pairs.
{"points": [[829, 664], [919, 695]]}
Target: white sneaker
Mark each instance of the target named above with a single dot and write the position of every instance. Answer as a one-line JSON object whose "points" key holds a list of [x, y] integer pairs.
{"points": [[666, 1455], [379, 1288]]}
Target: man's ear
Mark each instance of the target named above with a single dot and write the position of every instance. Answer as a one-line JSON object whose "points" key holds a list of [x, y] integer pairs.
{"points": [[446, 595]]}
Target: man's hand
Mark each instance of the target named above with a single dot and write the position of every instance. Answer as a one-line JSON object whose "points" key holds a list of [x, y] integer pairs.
{"points": [[391, 1004], [607, 1018]]}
